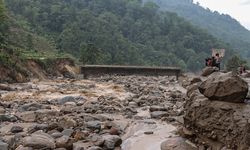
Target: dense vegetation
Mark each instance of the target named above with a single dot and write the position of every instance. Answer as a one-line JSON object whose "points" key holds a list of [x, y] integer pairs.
{"points": [[4, 59], [2, 24], [235, 62], [115, 32], [221, 26]]}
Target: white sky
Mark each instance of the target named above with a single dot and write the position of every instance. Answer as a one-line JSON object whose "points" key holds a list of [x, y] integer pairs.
{"points": [[238, 9]]}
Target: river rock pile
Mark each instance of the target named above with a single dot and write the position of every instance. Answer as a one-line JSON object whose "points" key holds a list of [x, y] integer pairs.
{"points": [[216, 116], [40, 126], [153, 93], [83, 122]]}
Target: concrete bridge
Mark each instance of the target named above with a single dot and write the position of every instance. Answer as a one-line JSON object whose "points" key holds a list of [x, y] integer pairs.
{"points": [[98, 70]]}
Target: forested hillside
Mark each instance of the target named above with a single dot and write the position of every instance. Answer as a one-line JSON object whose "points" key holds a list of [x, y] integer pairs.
{"points": [[116, 32], [2, 24], [221, 26], [4, 59]]}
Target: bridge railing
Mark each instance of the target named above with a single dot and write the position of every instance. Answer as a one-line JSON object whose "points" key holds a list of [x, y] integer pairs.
{"points": [[98, 70]]}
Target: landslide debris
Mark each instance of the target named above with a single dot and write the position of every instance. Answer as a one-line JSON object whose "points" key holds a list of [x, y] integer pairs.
{"points": [[216, 116], [86, 114]]}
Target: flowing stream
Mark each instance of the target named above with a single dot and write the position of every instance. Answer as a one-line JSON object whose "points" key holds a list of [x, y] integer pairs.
{"points": [[146, 134], [136, 139]]}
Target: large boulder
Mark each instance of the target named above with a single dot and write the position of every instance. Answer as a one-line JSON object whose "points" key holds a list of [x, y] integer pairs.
{"points": [[69, 71], [217, 124], [209, 70], [5, 87], [246, 74], [3, 146], [39, 140], [112, 141], [177, 143], [224, 87]]}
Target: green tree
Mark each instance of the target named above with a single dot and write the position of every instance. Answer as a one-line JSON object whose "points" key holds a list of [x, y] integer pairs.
{"points": [[90, 54], [2, 10], [30, 45], [234, 62], [124, 32], [3, 25]]}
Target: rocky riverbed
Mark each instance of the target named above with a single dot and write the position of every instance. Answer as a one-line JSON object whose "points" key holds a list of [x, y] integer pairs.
{"points": [[126, 113], [111, 112]]}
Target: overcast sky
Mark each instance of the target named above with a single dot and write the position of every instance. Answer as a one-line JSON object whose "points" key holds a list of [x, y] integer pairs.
{"points": [[238, 9]]}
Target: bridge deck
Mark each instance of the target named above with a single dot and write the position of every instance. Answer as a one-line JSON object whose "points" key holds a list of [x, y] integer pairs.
{"points": [[98, 70]]}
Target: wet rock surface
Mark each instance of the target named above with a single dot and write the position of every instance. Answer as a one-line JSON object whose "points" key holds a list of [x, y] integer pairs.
{"points": [[178, 144], [100, 113]]}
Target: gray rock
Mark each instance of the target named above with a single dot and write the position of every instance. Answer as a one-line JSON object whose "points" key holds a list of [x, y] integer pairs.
{"points": [[67, 122], [8, 118], [81, 135], [70, 103], [80, 103], [23, 148], [37, 127], [224, 87], [66, 99], [177, 143], [11, 140], [32, 107], [132, 104], [97, 140], [6, 104], [68, 109], [89, 117], [94, 148], [195, 80], [159, 114], [5, 87], [16, 129], [2, 110], [39, 140], [53, 125], [3, 146], [157, 108], [192, 88], [103, 117], [28, 116], [68, 132], [208, 71], [56, 135], [62, 141], [246, 75], [94, 125], [112, 141], [46, 113], [80, 146]]}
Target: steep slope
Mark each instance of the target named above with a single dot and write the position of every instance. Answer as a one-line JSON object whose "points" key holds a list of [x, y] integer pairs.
{"points": [[19, 46], [117, 32], [221, 26]]}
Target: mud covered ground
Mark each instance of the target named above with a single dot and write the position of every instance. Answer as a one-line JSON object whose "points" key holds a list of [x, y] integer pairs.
{"points": [[111, 112]]}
